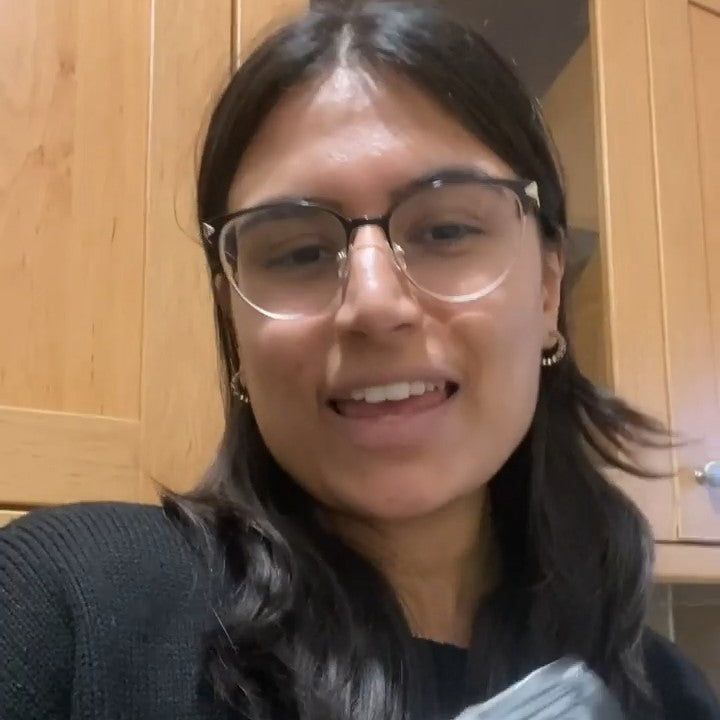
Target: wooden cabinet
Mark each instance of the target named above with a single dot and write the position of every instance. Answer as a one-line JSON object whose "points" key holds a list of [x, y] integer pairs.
{"points": [[684, 46], [7, 516], [108, 372], [636, 116], [659, 136], [108, 375]]}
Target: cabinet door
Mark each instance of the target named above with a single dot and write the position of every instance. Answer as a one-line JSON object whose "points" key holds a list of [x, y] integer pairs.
{"points": [[7, 516], [629, 231], [74, 80], [659, 123], [684, 39], [197, 44], [108, 371], [181, 417]]}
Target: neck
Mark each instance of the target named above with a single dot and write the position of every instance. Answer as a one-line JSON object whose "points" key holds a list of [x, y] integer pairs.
{"points": [[440, 565]]}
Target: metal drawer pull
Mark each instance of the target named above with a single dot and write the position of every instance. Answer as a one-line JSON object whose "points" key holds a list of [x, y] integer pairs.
{"points": [[709, 475]]}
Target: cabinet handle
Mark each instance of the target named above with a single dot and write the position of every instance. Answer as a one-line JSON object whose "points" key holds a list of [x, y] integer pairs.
{"points": [[709, 475]]}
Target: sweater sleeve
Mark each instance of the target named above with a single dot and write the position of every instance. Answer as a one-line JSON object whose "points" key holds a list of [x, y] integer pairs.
{"points": [[681, 688], [36, 636]]}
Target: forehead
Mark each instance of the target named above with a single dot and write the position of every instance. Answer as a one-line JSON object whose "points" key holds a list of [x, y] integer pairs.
{"points": [[354, 138]]}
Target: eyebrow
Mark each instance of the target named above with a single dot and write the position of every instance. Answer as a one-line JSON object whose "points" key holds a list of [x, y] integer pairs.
{"points": [[397, 194]]}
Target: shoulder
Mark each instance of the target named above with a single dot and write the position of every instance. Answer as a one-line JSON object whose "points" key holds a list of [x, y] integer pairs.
{"points": [[110, 552], [72, 534], [89, 580], [85, 517], [92, 560], [49, 561], [680, 687], [88, 542]]}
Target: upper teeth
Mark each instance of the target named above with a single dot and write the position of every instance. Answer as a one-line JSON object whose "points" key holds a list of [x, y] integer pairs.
{"points": [[396, 391]]}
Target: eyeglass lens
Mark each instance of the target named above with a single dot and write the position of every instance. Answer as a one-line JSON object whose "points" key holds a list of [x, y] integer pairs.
{"points": [[455, 242]]}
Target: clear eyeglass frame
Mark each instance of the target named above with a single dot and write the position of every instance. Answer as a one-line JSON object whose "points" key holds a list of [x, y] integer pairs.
{"points": [[526, 192]]}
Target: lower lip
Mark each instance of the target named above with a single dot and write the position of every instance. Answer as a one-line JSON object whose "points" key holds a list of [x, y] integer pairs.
{"points": [[394, 431]]}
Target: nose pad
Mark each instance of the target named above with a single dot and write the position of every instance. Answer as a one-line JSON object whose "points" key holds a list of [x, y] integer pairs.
{"points": [[399, 255], [343, 266]]}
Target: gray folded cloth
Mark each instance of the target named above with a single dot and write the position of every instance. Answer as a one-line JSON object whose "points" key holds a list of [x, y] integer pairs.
{"points": [[564, 690]]}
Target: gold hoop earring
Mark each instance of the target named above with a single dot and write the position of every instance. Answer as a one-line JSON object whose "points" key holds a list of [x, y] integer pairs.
{"points": [[558, 352], [238, 389]]}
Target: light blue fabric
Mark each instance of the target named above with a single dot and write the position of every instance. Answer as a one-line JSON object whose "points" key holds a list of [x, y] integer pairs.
{"points": [[564, 690]]}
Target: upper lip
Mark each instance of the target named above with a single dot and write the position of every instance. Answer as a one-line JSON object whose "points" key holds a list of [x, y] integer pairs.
{"points": [[343, 389]]}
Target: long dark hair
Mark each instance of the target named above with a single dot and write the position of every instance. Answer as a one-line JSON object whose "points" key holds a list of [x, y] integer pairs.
{"points": [[311, 629]]}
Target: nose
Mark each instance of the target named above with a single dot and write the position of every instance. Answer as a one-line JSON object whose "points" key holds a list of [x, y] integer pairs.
{"points": [[378, 300]]}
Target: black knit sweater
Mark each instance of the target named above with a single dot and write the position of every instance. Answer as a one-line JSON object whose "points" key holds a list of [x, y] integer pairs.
{"points": [[103, 608]]}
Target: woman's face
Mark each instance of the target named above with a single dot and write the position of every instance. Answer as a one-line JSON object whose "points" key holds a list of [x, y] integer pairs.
{"points": [[356, 141]]}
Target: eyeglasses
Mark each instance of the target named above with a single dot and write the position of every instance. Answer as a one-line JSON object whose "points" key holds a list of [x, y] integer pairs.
{"points": [[454, 237]]}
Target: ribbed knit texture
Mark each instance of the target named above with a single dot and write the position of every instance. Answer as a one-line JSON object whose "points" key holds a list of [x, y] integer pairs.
{"points": [[102, 611], [103, 608]]}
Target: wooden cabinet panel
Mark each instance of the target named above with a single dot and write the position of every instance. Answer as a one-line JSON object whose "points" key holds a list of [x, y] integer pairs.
{"points": [[687, 563], [109, 378], [73, 111], [181, 409], [49, 458], [700, 505], [688, 215], [7, 516], [74, 78], [629, 233], [628, 218], [182, 415], [705, 38]]}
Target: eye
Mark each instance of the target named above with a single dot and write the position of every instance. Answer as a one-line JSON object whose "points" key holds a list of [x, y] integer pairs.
{"points": [[300, 253], [444, 234]]}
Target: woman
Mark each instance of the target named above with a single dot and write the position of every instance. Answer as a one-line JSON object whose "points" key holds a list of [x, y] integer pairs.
{"points": [[406, 513]]}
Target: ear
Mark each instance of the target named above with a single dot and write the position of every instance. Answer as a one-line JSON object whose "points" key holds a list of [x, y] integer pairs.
{"points": [[553, 271]]}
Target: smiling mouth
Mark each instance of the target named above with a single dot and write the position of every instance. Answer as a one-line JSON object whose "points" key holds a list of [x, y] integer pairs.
{"points": [[362, 409]]}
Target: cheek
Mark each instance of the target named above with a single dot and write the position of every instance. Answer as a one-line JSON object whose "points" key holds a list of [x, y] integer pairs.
{"points": [[504, 377], [508, 326], [511, 379], [504, 336], [282, 363], [278, 360]]}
